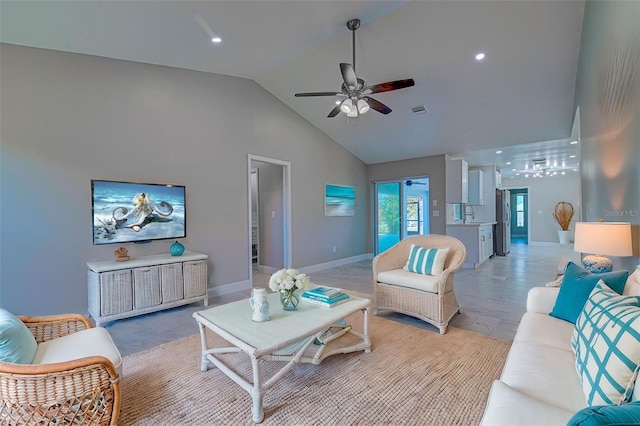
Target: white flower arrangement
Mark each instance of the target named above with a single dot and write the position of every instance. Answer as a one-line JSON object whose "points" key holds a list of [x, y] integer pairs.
{"points": [[288, 281]]}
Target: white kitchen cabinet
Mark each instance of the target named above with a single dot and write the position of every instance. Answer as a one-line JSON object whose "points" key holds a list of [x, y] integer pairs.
{"points": [[457, 183], [476, 187], [498, 180], [477, 239], [141, 285]]}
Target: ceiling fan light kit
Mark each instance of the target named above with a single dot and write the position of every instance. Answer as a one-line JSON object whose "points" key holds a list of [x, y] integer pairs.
{"points": [[355, 89]]}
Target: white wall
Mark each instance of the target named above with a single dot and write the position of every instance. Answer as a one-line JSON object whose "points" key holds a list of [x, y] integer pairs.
{"points": [[69, 118], [544, 193]]}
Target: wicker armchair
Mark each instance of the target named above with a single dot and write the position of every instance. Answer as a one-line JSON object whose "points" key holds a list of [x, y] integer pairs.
{"points": [[83, 391], [437, 307]]}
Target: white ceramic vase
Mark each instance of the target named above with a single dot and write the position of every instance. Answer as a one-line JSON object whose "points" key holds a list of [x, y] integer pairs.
{"points": [[564, 237]]}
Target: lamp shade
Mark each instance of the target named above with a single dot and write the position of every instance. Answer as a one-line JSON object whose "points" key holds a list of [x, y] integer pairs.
{"points": [[606, 238]]}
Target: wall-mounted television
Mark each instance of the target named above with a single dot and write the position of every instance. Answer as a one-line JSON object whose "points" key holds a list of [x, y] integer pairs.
{"points": [[126, 212]]}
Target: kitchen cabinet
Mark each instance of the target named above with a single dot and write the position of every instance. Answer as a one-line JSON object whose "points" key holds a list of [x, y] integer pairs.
{"points": [[498, 180], [457, 183], [476, 187], [477, 239]]}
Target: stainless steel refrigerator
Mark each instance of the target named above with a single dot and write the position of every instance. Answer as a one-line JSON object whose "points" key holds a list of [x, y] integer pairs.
{"points": [[503, 218]]}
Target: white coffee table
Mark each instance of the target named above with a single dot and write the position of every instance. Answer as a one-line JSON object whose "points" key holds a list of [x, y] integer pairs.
{"points": [[287, 336]]}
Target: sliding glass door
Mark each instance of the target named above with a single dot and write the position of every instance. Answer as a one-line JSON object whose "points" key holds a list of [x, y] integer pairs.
{"points": [[388, 215]]}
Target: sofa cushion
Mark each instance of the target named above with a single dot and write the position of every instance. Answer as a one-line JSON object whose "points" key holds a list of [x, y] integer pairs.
{"points": [[91, 342], [17, 344], [428, 261], [606, 341], [404, 278], [543, 329], [508, 407], [576, 287], [545, 373], [625, 414]]}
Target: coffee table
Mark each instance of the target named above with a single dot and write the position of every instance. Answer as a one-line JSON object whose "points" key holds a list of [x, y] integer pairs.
{"points": [[287, 336]]}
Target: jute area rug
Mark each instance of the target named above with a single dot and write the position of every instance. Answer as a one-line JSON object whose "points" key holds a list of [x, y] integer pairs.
{"points": [[412, 376]]}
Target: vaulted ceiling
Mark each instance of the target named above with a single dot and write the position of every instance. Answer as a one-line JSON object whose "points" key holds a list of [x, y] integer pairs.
{"points": [[521, 93]]}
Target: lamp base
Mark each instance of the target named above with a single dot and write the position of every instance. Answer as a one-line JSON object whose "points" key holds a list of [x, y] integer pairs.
{"points": [[596, 264]]}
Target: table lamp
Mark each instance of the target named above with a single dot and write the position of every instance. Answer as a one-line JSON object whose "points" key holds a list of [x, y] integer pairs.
{"points": [[603, 238]]}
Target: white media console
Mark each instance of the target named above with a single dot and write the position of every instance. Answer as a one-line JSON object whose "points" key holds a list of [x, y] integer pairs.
{"points": [[141, 285]]}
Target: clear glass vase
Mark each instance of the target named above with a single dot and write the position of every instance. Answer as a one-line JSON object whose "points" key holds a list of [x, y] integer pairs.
{"points": [[289, 300]]}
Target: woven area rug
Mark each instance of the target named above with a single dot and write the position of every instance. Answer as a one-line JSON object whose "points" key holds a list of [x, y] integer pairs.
{"points": [[412, 376]]}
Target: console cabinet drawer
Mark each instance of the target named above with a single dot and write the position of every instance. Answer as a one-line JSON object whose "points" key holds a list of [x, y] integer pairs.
{"points": [[115, 292]]}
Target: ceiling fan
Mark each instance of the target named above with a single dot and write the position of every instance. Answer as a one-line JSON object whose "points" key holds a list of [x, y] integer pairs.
{"points": [[356, 90]]}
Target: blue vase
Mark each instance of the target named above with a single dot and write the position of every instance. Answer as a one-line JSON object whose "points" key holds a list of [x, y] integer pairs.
{"points": [[176, 249]]}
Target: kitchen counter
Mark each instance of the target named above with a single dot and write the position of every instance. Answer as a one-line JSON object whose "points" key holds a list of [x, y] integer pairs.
{"points": [[472, 224]]}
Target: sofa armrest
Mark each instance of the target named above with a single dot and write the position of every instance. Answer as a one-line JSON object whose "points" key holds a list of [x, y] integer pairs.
{"points": [[542, 299]]}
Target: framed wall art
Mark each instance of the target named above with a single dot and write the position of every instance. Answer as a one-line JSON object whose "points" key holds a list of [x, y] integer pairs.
{"points": [[339, 200]]}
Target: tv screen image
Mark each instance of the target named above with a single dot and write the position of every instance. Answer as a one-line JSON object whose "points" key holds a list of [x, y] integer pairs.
{"points": [[133, 212]]}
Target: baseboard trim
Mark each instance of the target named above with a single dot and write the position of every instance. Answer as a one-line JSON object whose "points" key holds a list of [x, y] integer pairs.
{"points": [[221, 290], [335, 263], [547, 243]]}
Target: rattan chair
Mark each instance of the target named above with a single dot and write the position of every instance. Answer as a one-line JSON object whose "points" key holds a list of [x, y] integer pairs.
{"points": [[436, 307], [84, 391]]}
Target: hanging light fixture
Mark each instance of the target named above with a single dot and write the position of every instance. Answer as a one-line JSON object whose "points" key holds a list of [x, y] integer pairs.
{"points": [[363, 106], [346, 106]]}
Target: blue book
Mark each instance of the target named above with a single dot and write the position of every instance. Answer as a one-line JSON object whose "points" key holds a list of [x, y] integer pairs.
{"points": [[311, 296], [324, 292], [325, 303]]}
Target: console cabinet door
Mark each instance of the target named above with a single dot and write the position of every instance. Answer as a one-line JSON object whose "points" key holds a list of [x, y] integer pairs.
{"points": [[195, 278], [115, 292], [172, 283], [146, 287]]}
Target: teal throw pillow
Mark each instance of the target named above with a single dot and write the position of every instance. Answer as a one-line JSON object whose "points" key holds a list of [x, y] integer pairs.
{"points": [[625, 414], [606, 342], [427, 261], [577, 284], [17, 344]]}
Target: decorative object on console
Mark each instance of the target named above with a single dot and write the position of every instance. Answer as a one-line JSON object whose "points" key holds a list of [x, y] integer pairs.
{"points": [[605, 239], [577, 284], [563, 213], [176, 249], [287, 281], [122, 255]]}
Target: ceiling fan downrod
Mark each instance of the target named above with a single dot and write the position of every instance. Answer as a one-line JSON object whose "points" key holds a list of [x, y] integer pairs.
{"points": [[353, 25]]}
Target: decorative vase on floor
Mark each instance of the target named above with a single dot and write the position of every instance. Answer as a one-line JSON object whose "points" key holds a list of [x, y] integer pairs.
{"points": [[289, 300], [176, 249], [564, 237]]}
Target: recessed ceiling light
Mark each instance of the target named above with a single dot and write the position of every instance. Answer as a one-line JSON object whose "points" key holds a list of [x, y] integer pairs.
{"points": [[517, 174], [572, 156], [499, 151], [480, 56], [574, 142], [508, 163], [562, 173], [513, 170], [216, 39]]}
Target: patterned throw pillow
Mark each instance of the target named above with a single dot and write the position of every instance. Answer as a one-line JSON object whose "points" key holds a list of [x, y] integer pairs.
{"points": [[427, 261], [606, 341]]}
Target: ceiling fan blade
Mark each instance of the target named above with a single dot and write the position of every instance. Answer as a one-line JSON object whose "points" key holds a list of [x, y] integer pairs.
{"points": [[377, 105], [391, 85], [298, 95], [349, 75], [334, 112]]}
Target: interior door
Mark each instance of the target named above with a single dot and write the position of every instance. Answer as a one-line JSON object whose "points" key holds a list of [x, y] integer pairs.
{"points": [[388, 215], [519, 214]]}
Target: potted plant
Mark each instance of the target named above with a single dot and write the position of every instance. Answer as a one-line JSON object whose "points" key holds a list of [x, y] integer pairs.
{"points": [[563, 213]]}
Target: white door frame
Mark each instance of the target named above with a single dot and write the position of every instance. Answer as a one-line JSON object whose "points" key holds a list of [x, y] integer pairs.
{"points": [[286, 208]]}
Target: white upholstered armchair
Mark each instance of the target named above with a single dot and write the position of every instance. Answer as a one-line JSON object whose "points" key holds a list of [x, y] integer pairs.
{"points": [[428, 297]]}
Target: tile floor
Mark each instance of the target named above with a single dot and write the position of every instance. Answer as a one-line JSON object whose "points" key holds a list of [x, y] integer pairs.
{"points": [[492, 297]]}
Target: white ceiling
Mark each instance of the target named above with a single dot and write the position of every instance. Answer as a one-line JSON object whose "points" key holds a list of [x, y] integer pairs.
{"points": [[521, 93]]}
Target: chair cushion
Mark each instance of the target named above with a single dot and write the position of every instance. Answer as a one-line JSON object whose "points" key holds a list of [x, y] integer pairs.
{"points": [[91, 342], [576, 287], [606, 341], [626, 414], [17, 344], [428, 261], [403, 278]]}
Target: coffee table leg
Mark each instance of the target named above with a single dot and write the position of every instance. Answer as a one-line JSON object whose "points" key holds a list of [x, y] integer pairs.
{"points": [[204, 362], [365, 325], [257, 394]]}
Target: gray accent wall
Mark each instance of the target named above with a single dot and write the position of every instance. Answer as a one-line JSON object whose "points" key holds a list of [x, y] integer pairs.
{"points": [[608, 97], [69, 118]]}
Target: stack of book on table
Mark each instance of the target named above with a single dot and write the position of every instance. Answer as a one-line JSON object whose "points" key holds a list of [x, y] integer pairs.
{"points": [[325, 297]]}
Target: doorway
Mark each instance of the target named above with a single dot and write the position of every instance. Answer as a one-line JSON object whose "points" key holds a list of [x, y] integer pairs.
{"points": [[519, 215], [269, 213], [401, 208]]}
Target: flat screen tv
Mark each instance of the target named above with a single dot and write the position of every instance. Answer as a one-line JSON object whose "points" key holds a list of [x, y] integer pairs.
{"points": [[125, 212]]}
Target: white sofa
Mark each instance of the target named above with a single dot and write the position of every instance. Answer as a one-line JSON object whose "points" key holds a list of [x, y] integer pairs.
{"points": [[539, 384]]}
